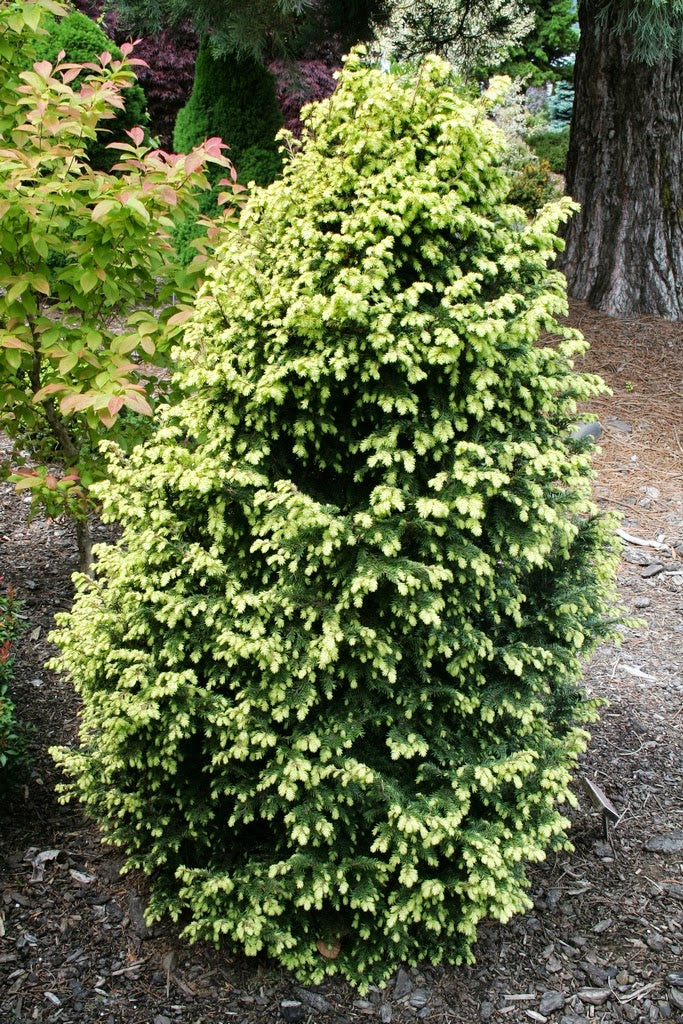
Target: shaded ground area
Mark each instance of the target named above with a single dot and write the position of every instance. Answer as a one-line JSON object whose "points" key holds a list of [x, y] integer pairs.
{"points": [[604, 940]]}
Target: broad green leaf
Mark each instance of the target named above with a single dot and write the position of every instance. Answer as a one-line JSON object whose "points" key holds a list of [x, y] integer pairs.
{"points": [[104, 207]]}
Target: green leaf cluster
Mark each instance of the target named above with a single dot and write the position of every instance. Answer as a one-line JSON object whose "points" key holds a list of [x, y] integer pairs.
{"points": [[331, 671], [82, 40], [551, 145], [89, 284]]}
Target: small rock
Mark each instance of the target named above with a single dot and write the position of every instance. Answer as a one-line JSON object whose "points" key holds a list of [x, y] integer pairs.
{"points": [[675, 978], [403, 985], [636, 557], [161, 1019], [292, 1010], [386, 1013], [313, 999], [603, 850], [594, 996], [423, 1013], [676, 998], [653, 569], [622, 978], [573, 1018], [602, 926], [673, 843], [664, 1009], [551, 1002], [621, 425], [642, 602], [655, 942], [486, 1010], [419, 998], [114, 912], [136, 914]]}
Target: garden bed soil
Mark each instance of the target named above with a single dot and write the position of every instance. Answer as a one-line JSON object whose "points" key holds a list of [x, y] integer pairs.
{"points": [[604, 939]]}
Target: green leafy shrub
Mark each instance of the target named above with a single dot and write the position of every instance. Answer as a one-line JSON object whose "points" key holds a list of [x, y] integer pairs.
{"points": [[551, 146], [532, 185], [331, 671], [82, 40], [233, 97], [89, 283], [12, 745]]}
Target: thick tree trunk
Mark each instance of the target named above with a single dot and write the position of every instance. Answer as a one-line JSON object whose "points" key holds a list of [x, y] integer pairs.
{"points": [[624, 250]]}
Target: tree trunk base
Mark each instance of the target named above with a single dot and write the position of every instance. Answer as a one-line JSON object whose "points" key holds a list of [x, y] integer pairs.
{"points": [[624, 249]]}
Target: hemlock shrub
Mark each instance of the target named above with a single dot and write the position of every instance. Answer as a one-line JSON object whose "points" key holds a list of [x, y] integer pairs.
{"points": [[331, 670]]}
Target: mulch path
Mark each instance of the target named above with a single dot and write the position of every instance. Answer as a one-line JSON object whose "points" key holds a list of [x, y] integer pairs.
{"points": [[604, 940]]}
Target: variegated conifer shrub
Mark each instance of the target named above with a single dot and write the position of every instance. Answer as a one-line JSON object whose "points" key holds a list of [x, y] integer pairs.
{"points": [[331, 670]]}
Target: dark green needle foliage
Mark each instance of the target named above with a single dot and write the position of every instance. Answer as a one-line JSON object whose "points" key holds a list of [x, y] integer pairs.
{"points": [[331, 671], [233, 97]]}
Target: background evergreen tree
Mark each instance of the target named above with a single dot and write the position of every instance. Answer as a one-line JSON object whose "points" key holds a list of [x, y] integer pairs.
{"points": [[330, 672], [471, 34], [546, 53], [560, 106], [233, 97], [253, 27]]}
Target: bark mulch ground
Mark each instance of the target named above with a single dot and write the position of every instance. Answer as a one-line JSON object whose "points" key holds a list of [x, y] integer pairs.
{"points": [[604, 940]]}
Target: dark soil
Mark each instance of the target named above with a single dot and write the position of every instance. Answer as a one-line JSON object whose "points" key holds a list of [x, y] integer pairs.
{"points": [[604, 940]]}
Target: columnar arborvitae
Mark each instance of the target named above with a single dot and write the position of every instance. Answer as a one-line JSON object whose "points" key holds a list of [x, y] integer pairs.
{"points": [[233, 97], [331, 671]]}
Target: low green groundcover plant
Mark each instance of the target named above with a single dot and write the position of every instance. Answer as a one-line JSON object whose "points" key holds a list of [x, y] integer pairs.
{"points": [[331, 670], [551, 145]]}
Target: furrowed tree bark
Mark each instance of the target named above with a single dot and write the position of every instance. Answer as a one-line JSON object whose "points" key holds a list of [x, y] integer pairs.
{"points": [[624, 249], [84, 542]]}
